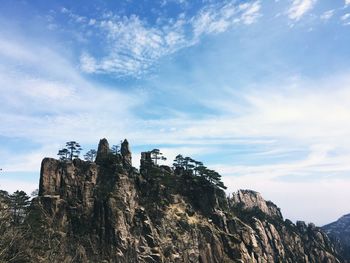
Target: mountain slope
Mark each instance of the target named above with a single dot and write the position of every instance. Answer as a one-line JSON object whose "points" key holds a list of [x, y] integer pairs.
{"points": [[339, 232], [107, 211]]}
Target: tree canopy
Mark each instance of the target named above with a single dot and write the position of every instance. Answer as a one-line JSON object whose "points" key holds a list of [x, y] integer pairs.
{"points": [[196, 168], [71, 151], [157, 155], [90, 155]]}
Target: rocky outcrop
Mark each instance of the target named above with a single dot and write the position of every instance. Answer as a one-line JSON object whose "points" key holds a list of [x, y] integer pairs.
{"points": [[102, 150], [339, 232], [126, 153], [250, 200], [107, 212]]}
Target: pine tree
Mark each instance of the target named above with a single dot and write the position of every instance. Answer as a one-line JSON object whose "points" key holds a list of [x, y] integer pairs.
{"points": [[178, 162], [63, 154], [90, 155], [157, 155], [19, 202], [74, 149], [71, 151]]}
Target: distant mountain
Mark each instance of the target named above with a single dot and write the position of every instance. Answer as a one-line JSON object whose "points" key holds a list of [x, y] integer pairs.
{"points": [[339, 232], [109, 211]]}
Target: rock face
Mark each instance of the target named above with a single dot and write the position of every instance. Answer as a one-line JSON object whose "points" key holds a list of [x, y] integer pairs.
{"points": [[125, 152], [102, 150], [250, 200], [339, 232], [107, 212]]}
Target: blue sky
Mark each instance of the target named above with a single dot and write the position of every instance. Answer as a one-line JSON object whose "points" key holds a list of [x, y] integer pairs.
{"points": [[258, 90]]}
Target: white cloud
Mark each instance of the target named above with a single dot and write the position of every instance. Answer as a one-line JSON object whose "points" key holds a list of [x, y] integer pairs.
{"points": [[345, 17], [251, 12], [347, 2], [133, 45], [299, 8], [88, 63], [56, 104], [327, 15]]}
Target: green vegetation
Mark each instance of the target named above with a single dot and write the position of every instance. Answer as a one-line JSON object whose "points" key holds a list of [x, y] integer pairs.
{"points": [[157, 155], [90, 155], [192, 168], [13, 209], [71, 151], [16, 205]]}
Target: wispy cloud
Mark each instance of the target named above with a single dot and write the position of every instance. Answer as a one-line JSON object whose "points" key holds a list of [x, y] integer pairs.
{"points": [[133, 45], [300, 8], [327, 15], [55, 103], [345, 19]]}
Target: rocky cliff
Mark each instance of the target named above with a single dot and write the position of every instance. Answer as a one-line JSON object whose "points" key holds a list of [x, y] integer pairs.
{"points": [[339, 232], [108, 211]]}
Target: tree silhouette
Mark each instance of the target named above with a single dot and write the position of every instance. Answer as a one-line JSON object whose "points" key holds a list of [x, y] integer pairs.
{"points": [[178, 162], [74, 149], [191, 167], [19, 202], [63, 154], [187, 163], [196, 164], [90, 155], [157, 155], [71, 151]]}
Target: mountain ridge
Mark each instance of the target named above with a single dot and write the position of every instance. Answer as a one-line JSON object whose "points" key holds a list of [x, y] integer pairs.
{"points": [[108, 211], [339, 232]]}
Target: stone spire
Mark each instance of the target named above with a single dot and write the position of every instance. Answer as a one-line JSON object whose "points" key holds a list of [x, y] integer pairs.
{"points": [[125, 152], [103, 150]]}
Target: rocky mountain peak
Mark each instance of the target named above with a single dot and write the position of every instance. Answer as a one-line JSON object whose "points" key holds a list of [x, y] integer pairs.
{"points": [[339, 232], [103, 150], [250, 200], [125, 152], [105, 212]]}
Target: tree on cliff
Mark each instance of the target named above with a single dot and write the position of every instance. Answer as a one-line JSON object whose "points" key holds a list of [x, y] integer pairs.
{"points": [[90, 155], [13, 247], [187, 163], [157, 155], [215, 178], [18, 204], [191, 167], [63, 154], [178, 162], [71, 151], [197, 164]]}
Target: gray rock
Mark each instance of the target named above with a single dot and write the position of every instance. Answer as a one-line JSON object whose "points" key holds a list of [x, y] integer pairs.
{"points": [[101, 212]]}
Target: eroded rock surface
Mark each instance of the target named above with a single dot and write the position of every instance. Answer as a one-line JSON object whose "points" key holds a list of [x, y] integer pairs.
{"points": [[107, 212]]}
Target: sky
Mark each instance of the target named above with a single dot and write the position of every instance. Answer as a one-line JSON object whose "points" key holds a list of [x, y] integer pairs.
{"points": [[257, 90]]}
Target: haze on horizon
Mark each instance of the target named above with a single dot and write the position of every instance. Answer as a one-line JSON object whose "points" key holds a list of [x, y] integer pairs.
{"points": [[258, 90]]}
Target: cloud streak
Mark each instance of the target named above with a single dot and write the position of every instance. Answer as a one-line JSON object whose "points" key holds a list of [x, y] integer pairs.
{"points": [[299, 8], [133, 45]]}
